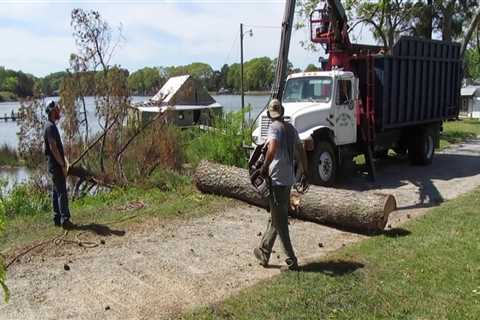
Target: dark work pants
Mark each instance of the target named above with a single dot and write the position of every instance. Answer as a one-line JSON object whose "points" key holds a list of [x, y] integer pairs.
{"points": [[278, 223], [59, 197]]}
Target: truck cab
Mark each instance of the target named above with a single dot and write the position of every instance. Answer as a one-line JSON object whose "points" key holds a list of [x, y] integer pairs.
{"points": [[321, 106]]}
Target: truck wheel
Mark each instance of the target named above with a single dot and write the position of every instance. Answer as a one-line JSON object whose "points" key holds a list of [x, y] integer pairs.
{"points": [[323, 164], [422, 150]]}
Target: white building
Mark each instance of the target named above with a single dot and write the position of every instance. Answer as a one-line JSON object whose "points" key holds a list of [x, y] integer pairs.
{"points": [[186, 101], [470, 106]]}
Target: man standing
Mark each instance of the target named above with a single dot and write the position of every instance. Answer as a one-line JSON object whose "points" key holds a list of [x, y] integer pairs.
{"points": [[283, 142], [57, 168]]}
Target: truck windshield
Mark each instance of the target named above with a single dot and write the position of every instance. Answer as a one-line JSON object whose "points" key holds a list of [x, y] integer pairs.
{"points": [[308, 89]]}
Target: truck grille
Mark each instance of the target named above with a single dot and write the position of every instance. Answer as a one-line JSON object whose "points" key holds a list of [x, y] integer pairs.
{"points": [[265, 124]]}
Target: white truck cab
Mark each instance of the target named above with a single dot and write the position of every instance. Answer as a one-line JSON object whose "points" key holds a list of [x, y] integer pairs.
{"points": [[319, 103]]}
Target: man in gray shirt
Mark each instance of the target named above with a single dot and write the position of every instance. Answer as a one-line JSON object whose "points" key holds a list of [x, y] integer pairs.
{"points": [[283, 143]]}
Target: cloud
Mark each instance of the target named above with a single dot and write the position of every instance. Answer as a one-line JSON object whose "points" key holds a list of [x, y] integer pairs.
{"points": [[157, 33]]}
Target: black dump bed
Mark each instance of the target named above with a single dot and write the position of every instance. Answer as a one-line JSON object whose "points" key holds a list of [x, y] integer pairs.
{"points": [[418, 83]]}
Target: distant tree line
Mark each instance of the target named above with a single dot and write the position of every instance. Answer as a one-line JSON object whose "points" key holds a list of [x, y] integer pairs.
{"points": [[258, 76], [15, 84]]}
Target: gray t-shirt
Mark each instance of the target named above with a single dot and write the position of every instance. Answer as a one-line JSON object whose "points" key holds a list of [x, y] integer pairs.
{"points": [[281, 169]]}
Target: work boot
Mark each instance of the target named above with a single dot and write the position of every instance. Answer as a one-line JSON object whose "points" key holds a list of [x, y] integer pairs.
{"points": [[261, 256], [68, 225], [292, 265], [57, 222]]}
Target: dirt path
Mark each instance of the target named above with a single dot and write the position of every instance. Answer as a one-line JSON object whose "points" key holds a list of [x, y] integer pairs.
{"points": [[169, 269]]}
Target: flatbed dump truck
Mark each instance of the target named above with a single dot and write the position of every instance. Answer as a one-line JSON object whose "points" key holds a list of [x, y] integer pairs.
{"points": [[369, 99]]}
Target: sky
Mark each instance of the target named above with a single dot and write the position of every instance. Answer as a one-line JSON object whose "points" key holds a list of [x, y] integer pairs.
{"points": [[36, 36]]}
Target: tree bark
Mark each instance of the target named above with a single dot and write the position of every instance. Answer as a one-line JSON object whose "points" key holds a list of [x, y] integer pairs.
{"points": [[361, 211], [468, 36]]}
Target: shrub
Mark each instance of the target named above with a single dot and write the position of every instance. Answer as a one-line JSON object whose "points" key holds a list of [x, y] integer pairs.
{"points": [[8, 156], [157, 147], [223, 143], [2, 265], [167, 180], [27, 198]]}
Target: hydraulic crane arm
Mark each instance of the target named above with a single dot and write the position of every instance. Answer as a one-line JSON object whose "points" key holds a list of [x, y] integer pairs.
{"points": [[282, 61], [338, 10]]}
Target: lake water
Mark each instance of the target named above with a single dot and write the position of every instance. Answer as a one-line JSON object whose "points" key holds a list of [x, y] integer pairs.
{"points": [[8, 130]]}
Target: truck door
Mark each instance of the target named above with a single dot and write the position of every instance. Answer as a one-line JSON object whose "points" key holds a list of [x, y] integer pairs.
{"points": [[344, 114]]}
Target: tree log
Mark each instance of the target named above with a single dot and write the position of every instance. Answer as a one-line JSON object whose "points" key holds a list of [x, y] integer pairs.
{"points": [[357, 210]]}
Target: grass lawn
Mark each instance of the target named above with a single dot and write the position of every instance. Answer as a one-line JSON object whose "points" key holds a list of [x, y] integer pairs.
{"points": [[459, 131], [453, 132], [113, 208], [431, 270]]}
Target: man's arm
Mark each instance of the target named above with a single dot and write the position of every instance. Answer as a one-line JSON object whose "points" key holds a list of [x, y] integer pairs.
{"points": [[271, 151]]}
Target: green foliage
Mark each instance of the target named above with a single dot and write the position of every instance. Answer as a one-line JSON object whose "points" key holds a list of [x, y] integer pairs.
{"points": [[167, 180], [390, 19], [472, 57], [30, 133], [8, 156], [50, 85], [223, 144], [311, 68], [145, 81], [2, 266], [16, 82], [259, 74], [23, 199], [7, 96]]}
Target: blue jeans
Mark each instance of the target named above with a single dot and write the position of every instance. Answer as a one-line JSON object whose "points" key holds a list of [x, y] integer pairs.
{"points": [[59, 197]]}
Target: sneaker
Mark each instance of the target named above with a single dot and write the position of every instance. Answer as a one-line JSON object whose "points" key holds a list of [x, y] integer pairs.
{"points": [[261, 256], [292, 265], [68, 225]]}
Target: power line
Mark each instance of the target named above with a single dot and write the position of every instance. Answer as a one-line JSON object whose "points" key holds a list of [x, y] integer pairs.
{"points": [[263, 27], [231, 49]]}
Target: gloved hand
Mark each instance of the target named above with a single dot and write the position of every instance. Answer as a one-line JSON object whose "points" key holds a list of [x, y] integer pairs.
{"points": [[66, 167], [264, 170], [302, 185]]}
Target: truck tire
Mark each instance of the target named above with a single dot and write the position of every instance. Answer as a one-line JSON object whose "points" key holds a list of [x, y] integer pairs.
{"points": [[422, 149], [323, 164]]}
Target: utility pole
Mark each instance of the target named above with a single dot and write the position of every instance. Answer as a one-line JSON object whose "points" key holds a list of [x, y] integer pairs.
{"points": [[241, 73], [242, 89]]}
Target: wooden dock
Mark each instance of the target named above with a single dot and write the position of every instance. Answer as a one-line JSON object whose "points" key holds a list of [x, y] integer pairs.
{"points": [[9, 117]]}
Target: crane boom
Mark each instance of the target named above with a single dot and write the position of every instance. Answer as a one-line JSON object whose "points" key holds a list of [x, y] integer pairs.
{"points": [[282, 61]]}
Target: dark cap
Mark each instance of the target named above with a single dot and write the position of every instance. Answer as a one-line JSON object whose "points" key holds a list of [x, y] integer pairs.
{"points": [[50, 107]]}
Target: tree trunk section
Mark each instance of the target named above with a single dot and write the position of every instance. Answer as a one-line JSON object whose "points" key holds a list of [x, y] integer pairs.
{"points": [[361, 211]]}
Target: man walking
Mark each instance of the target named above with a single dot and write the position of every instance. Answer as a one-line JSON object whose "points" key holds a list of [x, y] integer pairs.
{"points": [[57, 168], [283, 142]]}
